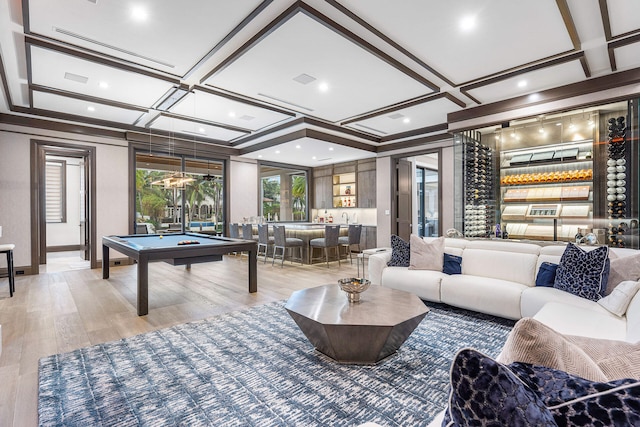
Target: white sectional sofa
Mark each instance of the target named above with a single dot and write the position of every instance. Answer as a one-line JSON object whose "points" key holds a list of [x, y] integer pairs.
{"points": [[498, 278]]}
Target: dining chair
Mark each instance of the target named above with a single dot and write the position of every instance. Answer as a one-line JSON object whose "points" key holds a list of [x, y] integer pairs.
{"points": [[281, 241], [353, 238], [330, 240]]}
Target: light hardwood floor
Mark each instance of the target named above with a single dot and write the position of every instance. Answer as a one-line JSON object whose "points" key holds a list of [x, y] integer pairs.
{"points": [[58, 312]]}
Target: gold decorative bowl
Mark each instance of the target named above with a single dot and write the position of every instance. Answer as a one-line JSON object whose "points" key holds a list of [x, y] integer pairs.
{"points": [[353, 287]]}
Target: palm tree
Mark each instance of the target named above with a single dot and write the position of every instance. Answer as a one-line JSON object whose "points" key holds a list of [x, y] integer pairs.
{"points": [[299, 195]]}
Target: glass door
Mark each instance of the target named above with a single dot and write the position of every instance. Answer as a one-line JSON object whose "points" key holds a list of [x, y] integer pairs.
{"points": [[427, 189]]}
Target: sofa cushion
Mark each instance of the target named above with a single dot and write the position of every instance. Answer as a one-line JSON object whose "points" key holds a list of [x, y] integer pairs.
{"points": [[623, 269], [583, 273], [426, 255], [593, 321], [452, 264], [400, 252], [618, 300], [546, 274], [533, 299], [633, 319], [576, 401], [511, 266], [483, 294], [423, 283], [534, 342], [485, 392]]}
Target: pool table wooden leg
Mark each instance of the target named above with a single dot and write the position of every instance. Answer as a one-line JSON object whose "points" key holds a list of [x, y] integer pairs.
{"points": [[253, 271], [105, 262], [143, 286]]}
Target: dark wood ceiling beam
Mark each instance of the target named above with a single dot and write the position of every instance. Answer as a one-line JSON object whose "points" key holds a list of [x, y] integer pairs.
{"points": [[32, 122], [87, 98]]}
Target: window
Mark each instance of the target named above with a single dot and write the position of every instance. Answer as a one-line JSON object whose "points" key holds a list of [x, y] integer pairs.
{"points": [[283, 193], [55, 194], [160, 207]]}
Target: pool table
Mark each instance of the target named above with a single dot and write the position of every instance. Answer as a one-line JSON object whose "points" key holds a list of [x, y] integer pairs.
{"points": [[145, 248]]}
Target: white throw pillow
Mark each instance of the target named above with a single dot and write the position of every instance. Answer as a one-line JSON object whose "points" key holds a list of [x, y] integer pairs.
{"points": [[618, 300], [426, 255]]}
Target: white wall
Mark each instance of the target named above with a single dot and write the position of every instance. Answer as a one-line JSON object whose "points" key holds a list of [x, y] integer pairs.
{"points": [[243, 197]]}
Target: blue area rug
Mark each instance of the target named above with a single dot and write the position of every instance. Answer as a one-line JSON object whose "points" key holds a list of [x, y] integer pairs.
{"points": [[256, 368]]}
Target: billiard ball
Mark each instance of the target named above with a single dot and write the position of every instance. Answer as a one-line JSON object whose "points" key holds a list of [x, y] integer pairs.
{"points": [[161, 236]]}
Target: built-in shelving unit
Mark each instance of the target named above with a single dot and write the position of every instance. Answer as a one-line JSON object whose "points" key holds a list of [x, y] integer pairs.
{"points": [[344, 190], [547, 192]]}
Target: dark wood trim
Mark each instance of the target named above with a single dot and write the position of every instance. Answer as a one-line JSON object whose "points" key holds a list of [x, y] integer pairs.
{"points": [[73, 118], [330, 126], [204, 122], [612, 58], [606, 21], [405, 104], [254, 13], [593, 85], [416, 132], [565, 12], [301, 7], [39, 149], [63, 187], [160, 143], [619, 42], [387, 39], [278, 128], [58, 126], [275, 141], [585, 66], [328, 137], [26, 23], [38, 88], [64, 248], [413, 143], [5, 84], [538, 66], [234, 97], [97, 57]]}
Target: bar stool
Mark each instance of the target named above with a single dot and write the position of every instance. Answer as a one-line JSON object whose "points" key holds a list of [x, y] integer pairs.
{"points": [[247, 232], [283, 242], [264, 240], [8, 249], [353, 238], [330, 240], [234, 230]]}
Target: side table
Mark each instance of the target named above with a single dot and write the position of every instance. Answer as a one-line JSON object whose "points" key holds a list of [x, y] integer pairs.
{"points": [[362, 256]]}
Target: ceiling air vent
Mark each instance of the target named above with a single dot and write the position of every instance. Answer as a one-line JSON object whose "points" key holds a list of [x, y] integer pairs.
{"points": [[246, 117], [76, 78], [304, 79], [396, 116]]}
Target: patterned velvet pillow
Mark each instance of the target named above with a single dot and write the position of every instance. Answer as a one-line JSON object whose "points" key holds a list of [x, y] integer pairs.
{"points": [[582, 273], [485, 392], [400, 252]]}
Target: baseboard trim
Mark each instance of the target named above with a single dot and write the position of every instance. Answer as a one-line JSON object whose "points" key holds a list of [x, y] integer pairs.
{"points": [[63, 248]]}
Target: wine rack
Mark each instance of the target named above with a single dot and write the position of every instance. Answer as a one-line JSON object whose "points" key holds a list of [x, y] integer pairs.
{"points": [[479, 208], [617, 183]]}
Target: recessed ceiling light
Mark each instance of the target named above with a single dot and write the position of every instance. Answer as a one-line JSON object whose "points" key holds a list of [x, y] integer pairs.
{"points": [[139, 13], [558, 124], [201, 130], [313, 158], [91, 108], [298, 146], [406, 120], [277, 151], [468, 23], [522, 83], [232, 113], [259, 156], [323, 87], [330, 148], [103, 85]]}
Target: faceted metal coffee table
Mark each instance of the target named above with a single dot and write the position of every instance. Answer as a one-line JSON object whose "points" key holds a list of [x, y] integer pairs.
{"points": [[365, 332]]}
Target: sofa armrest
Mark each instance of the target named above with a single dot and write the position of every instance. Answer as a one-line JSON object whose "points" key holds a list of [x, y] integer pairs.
{"points": [[377, 263]]}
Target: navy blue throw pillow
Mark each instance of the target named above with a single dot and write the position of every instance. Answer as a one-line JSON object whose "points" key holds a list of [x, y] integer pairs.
{"points": [[452, 264], [583, 273], [546, 274], [400, 252]]}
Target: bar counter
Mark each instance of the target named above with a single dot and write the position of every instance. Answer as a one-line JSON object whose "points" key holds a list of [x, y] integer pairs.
{"points": [[306, 231]]}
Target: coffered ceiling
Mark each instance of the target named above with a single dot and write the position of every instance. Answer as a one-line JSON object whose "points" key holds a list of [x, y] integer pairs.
{"points": [[285, 80]]}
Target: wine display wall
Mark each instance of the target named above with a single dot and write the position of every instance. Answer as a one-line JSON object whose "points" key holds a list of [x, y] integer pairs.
{"points": [[479, 208], [617, 183]]}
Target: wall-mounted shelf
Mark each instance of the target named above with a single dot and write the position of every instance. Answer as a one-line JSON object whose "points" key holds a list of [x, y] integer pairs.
{"points": [[344, 190]]}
